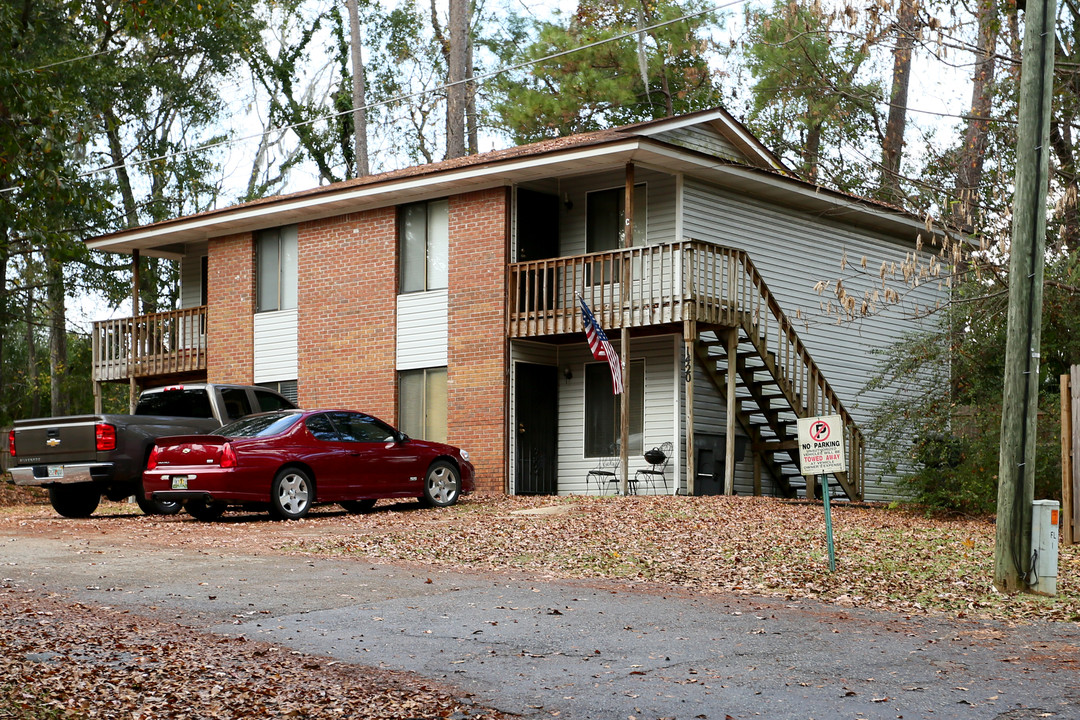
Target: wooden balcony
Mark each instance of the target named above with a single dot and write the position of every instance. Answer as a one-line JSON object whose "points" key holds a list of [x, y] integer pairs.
{"points": [[157, 345]]}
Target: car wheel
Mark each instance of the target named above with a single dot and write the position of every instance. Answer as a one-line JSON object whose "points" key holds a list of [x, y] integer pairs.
{"points": [[204, 510], [356, 507], [158, 507], [75, 501], [291, 494], [442, 485]]}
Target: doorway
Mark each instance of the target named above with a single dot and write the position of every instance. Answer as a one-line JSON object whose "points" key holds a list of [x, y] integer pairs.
{"points": [[536, 459]]}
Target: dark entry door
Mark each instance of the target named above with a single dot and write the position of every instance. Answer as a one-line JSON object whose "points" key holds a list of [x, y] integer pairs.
{"points": [[537, 239], [537, 424]]}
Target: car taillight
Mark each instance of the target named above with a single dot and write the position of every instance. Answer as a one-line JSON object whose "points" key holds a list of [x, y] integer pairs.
{"points": [[151, 462], [228, 457], [11, 443], [105, 436]]}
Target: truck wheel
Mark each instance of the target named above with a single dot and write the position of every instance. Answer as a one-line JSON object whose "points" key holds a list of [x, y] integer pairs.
{"points": [[158, 507], [75, 501], [204, 510]]}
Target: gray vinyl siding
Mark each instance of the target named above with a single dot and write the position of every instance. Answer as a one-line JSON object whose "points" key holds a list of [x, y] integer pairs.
{"points": [[703, 139], [422, 330], [660, 208], [191, 275], [275, 347], [661, 410], [795, 250]]}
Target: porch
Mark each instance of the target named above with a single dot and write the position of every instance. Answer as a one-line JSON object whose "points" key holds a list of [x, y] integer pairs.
{"points": [[732, 326], [165, 346]]}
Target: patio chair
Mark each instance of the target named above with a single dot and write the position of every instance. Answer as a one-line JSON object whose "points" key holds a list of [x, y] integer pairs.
{"points": [[658, 459], [605, 473]]}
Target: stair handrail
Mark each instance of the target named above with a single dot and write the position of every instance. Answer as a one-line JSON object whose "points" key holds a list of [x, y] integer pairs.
{"points": [[786, 330]]}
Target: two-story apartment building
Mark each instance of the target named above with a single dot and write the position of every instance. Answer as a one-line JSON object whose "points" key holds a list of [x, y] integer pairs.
{"points": [[443, 298]]}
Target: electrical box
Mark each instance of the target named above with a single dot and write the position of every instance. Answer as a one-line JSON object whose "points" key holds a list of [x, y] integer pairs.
{"points": [[1044, 546]]}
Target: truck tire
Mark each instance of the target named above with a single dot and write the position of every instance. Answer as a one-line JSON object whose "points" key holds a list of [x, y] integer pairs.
{"points": [[75, 501]]}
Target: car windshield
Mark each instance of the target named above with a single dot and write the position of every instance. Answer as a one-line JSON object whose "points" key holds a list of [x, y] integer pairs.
{"points": [[262, 425]]}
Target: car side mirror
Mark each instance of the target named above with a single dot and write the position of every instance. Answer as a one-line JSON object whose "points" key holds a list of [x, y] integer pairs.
{"points": [[402, 438]]}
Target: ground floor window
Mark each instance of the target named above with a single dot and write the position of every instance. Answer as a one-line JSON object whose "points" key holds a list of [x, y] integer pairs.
{"points": [[422, 403], [286, 388], [603, 410]]}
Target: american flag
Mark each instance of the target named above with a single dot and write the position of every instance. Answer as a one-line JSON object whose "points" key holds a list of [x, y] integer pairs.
{"points": [[600, 346]]}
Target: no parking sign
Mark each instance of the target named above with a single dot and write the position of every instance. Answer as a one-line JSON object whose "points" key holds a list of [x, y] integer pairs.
{"points": [[821, 445]]}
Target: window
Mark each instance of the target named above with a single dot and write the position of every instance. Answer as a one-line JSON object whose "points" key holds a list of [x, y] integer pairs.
{"points": [[602, 410], [285, 388], [321, 428], [424, 238], [422, 403], [606, 218], [354, 427], [275, 273], [236, 403], [269, 401]]}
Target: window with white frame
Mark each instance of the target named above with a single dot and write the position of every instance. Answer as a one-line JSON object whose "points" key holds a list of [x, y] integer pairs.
{"points": [[603, 410], [424, 239], [275, 271], [422, 403]]}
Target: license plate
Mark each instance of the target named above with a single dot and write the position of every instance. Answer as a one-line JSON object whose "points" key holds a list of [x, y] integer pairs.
{"points": [[179, 482], [56, 471]]}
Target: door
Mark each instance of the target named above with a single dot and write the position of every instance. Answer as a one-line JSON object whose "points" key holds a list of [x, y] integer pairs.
{"points": [[536, 459], [537, 239]]}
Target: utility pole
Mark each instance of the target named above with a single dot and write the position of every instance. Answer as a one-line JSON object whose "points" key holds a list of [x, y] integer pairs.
{"points": [[1020, 403]]}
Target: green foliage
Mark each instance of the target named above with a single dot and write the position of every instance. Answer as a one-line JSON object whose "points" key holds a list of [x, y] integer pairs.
{"points": [[946, 386], [809, 100], [660, 72]]}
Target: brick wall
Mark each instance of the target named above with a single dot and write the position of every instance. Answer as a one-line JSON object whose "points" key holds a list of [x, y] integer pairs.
{"points": [[477, 376], [347, 300], [230, 304]]}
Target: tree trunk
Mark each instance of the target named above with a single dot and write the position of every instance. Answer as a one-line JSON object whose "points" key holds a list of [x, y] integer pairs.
{"points": [[31, 355], [358, 92], [970, 166], [57, 337], [892, 149], [457, 28], [4, 301], [471, 122], [811, 152]]}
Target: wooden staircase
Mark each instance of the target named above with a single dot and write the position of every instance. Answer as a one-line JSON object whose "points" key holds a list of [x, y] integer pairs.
{"points": [[777, 383]]}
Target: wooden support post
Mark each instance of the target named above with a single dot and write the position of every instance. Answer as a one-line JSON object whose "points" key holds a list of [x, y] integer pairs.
{"points": [[729, 447], [757, 475], [627, 305], [689, 338], [133, 387]]}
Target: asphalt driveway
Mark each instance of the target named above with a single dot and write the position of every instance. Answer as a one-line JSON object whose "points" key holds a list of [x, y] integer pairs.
{"points": [[543, 648]]}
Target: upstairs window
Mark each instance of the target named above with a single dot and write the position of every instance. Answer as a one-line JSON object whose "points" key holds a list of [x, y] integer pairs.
{"points": [[424, 239], [275, 273], [606, 218]]}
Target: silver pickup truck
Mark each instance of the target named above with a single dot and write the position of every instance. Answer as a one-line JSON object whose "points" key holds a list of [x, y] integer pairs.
{"points": [[79, 458]]}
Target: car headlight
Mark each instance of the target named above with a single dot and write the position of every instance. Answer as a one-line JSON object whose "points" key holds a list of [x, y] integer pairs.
{"points": [[464, 454]]}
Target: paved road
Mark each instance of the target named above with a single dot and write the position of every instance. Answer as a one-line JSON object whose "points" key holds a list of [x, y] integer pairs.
{"points": [[575, 649]]}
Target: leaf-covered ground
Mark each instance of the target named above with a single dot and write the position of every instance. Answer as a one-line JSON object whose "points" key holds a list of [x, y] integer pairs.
{"points": [[62, 660]]}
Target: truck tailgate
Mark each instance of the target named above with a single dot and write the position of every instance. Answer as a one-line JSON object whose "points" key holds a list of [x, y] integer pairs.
{"points": [[56, 440]]}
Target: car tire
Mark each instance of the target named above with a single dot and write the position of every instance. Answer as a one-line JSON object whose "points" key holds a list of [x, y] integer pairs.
{"points": [[204, 510], [75, 501], [291, 494], [157, 507], [442, 485], [358, 507]]}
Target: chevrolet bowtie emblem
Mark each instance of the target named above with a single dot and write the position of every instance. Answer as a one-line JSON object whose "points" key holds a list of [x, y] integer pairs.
{"points": [[52, 442], [186, 450]]}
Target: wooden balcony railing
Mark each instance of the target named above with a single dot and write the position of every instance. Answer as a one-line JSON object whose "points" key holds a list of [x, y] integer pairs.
{"points": [[670, 283], [163, 343]]}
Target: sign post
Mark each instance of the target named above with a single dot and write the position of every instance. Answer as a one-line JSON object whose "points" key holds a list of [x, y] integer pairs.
{"points": [[821, 451]]}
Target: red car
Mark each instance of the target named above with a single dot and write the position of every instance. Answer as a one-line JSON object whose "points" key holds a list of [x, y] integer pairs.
{"points": [[290, 459]]}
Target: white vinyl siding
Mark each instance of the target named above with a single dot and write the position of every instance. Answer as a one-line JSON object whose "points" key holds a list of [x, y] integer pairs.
{"points": [[422, 330], [275, 354], [795, 250]]}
